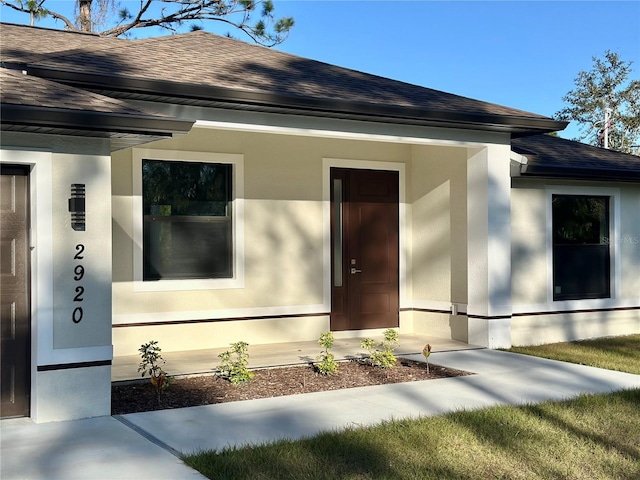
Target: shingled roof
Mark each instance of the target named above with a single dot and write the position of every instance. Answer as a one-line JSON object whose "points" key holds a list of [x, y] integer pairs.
{"points": [[203, 67], [18, 88], [556, 157], [32, 104]]}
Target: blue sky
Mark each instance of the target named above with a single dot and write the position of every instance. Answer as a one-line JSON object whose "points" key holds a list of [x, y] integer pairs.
{"points": [[524, 54]]}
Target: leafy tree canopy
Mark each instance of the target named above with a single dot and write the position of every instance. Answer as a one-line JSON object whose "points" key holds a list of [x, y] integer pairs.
{"points": [[107, 18], [607, 85]]}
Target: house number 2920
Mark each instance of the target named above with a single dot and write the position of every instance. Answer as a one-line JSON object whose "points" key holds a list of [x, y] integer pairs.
{"points": [[78, 275]]}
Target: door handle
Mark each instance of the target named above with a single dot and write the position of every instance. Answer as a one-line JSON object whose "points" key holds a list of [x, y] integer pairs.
{"points": [[355, 270]]}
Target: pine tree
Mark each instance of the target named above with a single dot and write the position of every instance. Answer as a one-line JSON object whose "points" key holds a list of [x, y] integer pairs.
{"points": [[608, 85], [253, 17]]}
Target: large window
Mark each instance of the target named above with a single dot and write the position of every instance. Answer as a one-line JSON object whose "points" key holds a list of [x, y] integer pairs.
{"points": [[581, 247], [187, 224]]}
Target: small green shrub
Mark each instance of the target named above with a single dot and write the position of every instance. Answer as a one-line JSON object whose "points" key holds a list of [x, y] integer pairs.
{"points": [[235, 369], [327, 364], [151, 361], [381, 354]]}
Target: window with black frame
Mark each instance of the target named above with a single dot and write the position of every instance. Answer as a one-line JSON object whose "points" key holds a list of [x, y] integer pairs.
{"points": [[581, 250], [187, 229]]}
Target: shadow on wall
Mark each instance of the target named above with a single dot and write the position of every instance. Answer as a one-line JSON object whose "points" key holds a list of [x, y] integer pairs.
{"points": [[82, 271], [438, 267]]}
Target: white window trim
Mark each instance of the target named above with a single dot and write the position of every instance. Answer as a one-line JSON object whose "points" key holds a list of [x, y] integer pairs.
{"points": [[237, 221], [614, 233]]}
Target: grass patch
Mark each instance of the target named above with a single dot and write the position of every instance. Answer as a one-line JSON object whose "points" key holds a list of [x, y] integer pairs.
{"points": [[612, 353], [591, 436]]}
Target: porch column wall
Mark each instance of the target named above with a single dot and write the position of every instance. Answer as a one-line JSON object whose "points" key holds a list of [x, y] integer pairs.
{"points": [[71, 273], [489, 246]]}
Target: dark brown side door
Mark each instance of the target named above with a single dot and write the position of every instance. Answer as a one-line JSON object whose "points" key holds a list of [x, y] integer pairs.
{"points": [[14, 290], [365, 249]]}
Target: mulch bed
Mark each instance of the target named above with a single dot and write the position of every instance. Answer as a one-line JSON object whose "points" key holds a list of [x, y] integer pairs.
{"points": [[272, 382]]}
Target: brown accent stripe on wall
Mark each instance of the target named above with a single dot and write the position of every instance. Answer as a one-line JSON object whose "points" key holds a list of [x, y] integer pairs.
{"points": [[319, 314], [214, 320], [427, 310], [526, 314], [587, 310], [67, 366], [448, 312]]}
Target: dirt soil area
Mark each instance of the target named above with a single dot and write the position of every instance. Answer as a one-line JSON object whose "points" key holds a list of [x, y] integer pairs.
{"points": [[272, 382]]}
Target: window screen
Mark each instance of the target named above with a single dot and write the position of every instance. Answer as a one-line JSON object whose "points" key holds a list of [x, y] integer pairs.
{"points": [[187, 231], [581, 256]]}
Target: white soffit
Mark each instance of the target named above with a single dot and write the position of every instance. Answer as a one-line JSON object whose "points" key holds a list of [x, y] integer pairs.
{"points": [[438, 138]]}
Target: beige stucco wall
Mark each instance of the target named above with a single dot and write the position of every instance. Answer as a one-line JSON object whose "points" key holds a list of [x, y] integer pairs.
{"points": [[629, 241], [439, 205], [528, 244], [282, 222], [92, 272], [284, 244], [203, 335], [565, 327], [530, 268], [438, 266]]}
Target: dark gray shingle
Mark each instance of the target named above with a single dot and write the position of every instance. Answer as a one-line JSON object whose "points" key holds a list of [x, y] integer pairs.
{"points": [[558, 157], [17, 88], [204, 59]]}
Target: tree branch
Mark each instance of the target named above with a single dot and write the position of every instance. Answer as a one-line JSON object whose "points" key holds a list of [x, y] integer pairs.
{"points": [[235, 13], [208, 10], [15, 7], [68, 23]]}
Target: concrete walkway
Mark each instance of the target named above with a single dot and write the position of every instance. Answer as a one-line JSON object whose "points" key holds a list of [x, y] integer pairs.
{"points": [[501, 378], [93, 449], [144, 445]]}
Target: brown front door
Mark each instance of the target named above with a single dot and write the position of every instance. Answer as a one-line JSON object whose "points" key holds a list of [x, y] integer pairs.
{"points": [[14, 290], [364, 253]]}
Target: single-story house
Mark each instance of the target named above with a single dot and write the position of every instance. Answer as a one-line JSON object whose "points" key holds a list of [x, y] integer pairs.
{"points": [[197, 190]]}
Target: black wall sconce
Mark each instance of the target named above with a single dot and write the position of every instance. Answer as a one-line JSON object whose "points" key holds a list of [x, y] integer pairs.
{"points": [[77, 206]]}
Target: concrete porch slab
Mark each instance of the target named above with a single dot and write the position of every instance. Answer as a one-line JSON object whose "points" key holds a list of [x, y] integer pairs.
{"points": [[199, 362]]}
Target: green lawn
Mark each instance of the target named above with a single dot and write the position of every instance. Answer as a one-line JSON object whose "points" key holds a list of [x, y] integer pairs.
{"points": [[590, 437], [613, 353]]}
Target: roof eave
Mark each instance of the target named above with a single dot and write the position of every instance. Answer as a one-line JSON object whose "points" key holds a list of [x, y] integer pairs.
{"points": [[545, 171], [28, 115], [516, 125]]}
